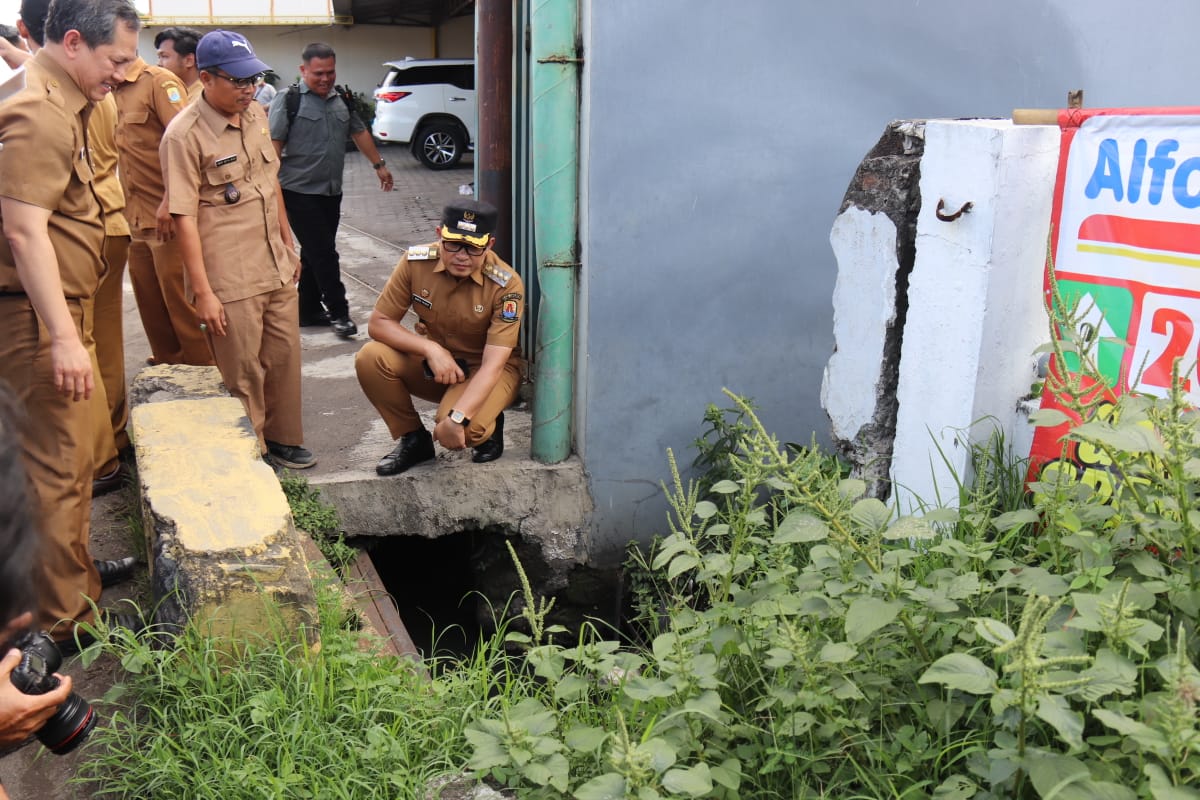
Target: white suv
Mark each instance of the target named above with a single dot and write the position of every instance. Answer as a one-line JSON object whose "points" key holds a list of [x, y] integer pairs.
{"points": [[430, 104]]}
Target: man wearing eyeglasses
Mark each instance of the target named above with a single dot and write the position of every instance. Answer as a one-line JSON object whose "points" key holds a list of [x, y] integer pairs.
{"points": [[238, 256], [469, 304]]}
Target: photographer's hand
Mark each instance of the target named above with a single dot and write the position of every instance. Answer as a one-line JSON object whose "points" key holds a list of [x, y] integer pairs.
{"points": [[21, 715]]}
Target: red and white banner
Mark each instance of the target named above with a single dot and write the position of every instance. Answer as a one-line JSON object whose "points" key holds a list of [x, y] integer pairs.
{"points": [[1125, 244]]}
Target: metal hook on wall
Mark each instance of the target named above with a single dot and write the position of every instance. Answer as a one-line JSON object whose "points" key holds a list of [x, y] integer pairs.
{"points": [[941, 207]]}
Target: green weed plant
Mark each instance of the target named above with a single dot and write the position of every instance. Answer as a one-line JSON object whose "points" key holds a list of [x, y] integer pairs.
{"points": [[795, 639]]}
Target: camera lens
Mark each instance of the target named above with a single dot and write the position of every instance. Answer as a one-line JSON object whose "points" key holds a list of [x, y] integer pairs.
{"points": [[69, 726]]}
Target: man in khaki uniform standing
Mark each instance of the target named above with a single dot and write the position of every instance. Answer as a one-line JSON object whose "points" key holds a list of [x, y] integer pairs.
{"points": [[223, 192], [469, 362], [148, 100], [177, 53], [50, 266]]}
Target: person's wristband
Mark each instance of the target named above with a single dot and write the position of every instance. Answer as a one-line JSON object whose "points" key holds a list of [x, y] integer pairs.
{"points": [[378, 164]]}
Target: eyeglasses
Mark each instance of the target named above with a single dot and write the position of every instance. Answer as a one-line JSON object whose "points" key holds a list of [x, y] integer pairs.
{"points": [[457, 247], [240, 83]]}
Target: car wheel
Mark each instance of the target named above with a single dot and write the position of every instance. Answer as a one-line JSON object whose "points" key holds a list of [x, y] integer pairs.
{"points": [[439, 146]]}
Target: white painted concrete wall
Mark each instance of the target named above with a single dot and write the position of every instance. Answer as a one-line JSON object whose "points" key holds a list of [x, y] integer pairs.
{"points": [[864, 305], [975, 309]]}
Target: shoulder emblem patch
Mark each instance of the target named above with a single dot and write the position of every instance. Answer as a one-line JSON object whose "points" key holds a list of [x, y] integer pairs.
{"points": [[423, 252], [499, 276], [508, 308], [174, 93]]}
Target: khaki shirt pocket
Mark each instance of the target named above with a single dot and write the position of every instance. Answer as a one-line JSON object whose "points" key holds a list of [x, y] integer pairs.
{"points": [[216, 178]]}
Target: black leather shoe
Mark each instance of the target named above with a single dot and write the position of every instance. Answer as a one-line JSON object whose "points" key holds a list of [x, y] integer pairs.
{"points": [[110, 482], [319, 320], [115, 571], [412, 449], [344, 327], [493, 448], [80, 639]]}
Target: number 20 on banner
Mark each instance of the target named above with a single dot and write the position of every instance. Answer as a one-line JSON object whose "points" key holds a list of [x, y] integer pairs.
{"points": [[1168, 330]]}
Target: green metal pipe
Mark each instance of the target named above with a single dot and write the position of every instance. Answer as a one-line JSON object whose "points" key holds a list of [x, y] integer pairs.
{"points": [[554, 29]]}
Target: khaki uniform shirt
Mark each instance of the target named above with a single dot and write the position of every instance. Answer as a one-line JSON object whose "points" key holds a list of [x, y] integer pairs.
{"points": [[205, 160], [102, 138], [147, 102], [45, 163], [195, 90], [463, 316]]}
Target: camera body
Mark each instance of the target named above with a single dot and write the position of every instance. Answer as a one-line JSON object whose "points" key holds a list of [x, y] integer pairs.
{"points": [[75, 718]]}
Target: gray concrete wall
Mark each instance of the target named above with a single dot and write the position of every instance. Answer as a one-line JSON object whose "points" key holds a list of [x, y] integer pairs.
{"points": [[718, 140]]}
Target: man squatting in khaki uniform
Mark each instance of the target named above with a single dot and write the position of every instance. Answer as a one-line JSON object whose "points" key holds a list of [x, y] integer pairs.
{"points": [[50, 267], [148, 100], [469, 303], [223, 192]]}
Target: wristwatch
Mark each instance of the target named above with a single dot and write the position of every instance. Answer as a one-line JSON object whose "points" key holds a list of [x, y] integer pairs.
{"points": [[378, 164], [459, 417]]}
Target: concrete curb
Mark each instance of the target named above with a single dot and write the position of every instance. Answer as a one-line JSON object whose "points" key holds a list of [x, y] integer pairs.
{"points": [[219, 533]]}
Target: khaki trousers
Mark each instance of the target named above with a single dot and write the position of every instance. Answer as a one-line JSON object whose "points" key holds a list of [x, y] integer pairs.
{"points": [[390, 379], [57, 448], [110, 411], [156, 272], [259, 361]]}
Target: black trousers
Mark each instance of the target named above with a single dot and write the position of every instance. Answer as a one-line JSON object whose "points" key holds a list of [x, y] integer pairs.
{"points": [[314, 219]]}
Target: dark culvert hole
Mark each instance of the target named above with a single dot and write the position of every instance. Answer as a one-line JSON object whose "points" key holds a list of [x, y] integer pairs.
{"points": [[451, 591]]}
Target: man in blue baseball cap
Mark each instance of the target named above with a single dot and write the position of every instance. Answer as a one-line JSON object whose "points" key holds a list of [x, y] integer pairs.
{"points": [[229, 52], [238, 253]]}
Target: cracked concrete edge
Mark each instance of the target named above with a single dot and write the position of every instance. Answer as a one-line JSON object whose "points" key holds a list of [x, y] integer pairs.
{"points": [[220, 537], [543, 503]]}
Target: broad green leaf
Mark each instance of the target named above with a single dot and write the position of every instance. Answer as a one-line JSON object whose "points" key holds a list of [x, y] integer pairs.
{"points": [[1013, 519], [961, 671], [1048, 418], [726, 487], [728, 773], [662, 755], [1059, 777], [706, 509], [838, 653], [800, 526], [871, 513], [570, 687], [993, 631], [1161, 787], [1054, 710], [609, 786], [639, 688], [956, 787], [691, 781], [850, 488], [867, 615], [585, 738], [1143, 734], [1110, 673], [681, 564], [911, 529], [943, 515]]}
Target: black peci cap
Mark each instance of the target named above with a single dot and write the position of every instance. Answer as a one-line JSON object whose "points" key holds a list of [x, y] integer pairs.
{"points": [[470, 221]]}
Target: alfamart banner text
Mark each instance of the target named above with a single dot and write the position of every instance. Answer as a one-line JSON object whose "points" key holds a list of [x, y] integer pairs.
{"points": [[1125, 245]]}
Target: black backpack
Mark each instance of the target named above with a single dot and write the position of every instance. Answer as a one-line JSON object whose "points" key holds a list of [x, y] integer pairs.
{"points": [[293, 101]]}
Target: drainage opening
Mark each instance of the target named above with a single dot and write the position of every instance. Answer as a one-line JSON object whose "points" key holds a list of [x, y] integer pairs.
{"points": [[434, 586], [452, 591]]}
